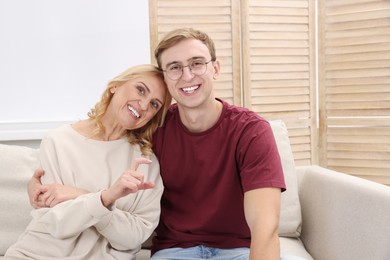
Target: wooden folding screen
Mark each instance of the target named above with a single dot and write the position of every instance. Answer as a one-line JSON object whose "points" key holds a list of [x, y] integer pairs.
{"points": [[354, 84], [279, 68]]}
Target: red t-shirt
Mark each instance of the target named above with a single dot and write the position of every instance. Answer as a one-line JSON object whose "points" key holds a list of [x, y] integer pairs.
{"points": [[206, 174]]}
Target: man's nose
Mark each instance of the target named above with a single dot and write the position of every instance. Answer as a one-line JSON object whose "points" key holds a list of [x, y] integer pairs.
{"points": [[187, 74]]}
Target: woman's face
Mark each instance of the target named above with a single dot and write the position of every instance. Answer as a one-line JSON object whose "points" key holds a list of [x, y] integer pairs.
{"points": [[137, 101]]}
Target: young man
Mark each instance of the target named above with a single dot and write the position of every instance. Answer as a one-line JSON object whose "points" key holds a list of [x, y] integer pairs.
{"points": [[219, 163]]}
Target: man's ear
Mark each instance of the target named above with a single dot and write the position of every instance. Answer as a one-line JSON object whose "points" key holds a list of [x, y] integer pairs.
{"points": [[217, 69]]}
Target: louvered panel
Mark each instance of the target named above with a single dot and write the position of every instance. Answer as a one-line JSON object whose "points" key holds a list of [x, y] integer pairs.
{"points": [[358, 16], [360, 24], [336, 3], [357, 89], [355, 65], [279, 60], [361, 97], [360, 164], [273, 52], [385, 46], [284, 115], [356, 105], [280, 44], [279, 77], [369, 55], [281, 28], [293, 91], [300, 139], [358, 112], [359, 32], [279, 19], [357, 81], [284, 4], [357, 139], [192, 3], [358, 122], [281, 83], [363, 132], [354, 78], [219, 19], [358, 155], [282, 98], [374, 174], [270, 107]]}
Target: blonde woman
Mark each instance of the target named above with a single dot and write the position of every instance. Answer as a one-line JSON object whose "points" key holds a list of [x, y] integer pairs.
{"points": [[109, 155]]}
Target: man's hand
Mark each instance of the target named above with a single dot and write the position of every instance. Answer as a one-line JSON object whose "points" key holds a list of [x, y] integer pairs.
{"points": [[33, 185], [49, 195], [130, 181]]}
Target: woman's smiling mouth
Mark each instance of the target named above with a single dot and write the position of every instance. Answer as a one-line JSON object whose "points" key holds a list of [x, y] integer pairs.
{"points": [[133, 111]]}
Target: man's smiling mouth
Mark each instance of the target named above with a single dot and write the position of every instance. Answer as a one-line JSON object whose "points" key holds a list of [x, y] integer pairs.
{"points": [[189, 90], [133, 111]]}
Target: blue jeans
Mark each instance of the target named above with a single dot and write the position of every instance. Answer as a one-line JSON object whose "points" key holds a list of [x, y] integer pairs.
{"points": [[204, 252]]}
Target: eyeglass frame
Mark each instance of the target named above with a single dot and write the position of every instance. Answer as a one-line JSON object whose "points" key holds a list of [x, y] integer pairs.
{"points": [[182, 68]]}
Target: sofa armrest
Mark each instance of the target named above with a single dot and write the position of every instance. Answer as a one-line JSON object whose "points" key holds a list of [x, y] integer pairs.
{"points": [[343, 216]]}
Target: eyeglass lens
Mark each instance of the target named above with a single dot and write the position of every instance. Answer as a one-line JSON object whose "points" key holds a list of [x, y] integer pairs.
{"points": [[197, 67]]}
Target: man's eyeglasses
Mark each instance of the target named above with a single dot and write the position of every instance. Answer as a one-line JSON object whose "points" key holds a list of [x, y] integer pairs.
{"points": [[197, 67]]}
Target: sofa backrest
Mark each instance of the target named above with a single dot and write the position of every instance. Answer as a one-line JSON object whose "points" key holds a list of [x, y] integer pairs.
{"points": [[290, 214], [17, 164]]}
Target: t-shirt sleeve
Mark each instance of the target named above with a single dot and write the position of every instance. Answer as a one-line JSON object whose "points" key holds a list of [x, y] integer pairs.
{"points": [[258, 158]]}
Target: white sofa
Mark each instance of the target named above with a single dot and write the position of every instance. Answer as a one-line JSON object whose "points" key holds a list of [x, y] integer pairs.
{"points": [[325, 214]]}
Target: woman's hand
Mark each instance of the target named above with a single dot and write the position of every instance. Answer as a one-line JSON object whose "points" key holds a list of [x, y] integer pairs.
{"points": [[130, 181], [49, 195]]}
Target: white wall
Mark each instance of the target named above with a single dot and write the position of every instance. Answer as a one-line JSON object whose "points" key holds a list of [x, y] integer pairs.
{"points": [[56, 57]]}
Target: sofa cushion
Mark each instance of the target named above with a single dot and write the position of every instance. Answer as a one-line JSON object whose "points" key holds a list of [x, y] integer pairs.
{"points": [[17, 164], [290, 215], [294, 249]]}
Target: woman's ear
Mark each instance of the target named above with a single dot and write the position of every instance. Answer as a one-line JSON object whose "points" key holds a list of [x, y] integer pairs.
{"points": [[113, 89]]}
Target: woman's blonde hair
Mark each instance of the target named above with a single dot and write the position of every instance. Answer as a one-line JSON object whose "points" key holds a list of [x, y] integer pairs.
{"points": [[142, 136]]}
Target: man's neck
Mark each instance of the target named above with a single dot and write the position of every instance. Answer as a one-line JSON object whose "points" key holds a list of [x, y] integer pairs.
{"points": [[201, 118]]}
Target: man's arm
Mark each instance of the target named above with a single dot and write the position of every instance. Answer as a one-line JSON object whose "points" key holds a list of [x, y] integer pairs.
{"points": [[262, 211], [49, 195], [33, 186]]}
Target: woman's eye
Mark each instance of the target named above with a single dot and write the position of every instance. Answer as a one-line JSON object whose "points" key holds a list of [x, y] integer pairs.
{"points": [[155, 104], [141, 90]]}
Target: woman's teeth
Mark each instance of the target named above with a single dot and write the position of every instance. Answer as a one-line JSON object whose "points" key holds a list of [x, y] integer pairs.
{"points": [[133, 111], [190, 89]]}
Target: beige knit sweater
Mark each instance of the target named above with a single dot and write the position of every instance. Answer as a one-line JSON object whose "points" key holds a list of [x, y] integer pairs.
{"points": [[83, 228]]}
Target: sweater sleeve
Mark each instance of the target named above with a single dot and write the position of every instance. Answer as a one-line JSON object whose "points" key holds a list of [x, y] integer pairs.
{"points": [[124, 229], [49, 160], [129, 229]]}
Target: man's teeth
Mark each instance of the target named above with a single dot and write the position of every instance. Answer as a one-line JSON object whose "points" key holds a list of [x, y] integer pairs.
{"points": [[132, 110], [190, 89]]}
